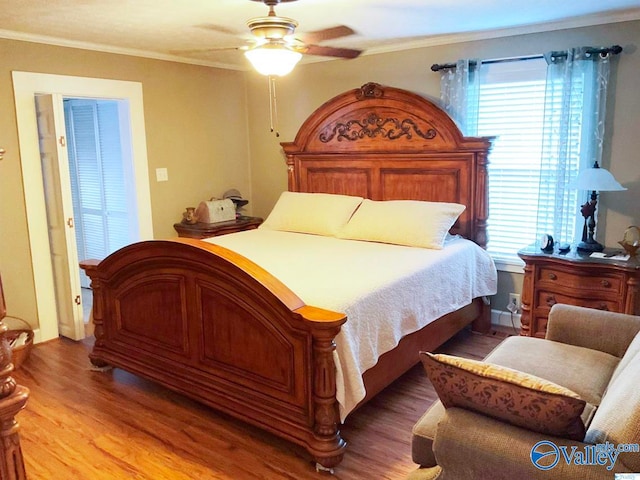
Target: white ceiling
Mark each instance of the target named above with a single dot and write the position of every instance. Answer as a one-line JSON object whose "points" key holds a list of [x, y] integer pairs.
{"points": [[166, 28]]}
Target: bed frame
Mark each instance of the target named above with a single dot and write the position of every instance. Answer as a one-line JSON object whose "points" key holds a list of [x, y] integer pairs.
{"points": [[210, 324]]}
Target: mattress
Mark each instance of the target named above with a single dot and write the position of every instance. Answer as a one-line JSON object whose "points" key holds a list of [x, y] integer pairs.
{"points": [[386, 291]]}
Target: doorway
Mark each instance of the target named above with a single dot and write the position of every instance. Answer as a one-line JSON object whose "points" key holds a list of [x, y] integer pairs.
{"points": [[99, 154], [26, 86]]}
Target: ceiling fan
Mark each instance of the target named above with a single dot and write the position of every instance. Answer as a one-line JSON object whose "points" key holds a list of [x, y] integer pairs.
{"points": [[274, 50]]}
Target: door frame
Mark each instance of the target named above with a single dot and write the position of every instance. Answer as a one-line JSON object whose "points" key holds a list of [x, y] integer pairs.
{"points": [[25, 86]]}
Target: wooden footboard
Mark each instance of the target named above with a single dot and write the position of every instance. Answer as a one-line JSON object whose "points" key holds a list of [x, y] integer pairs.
{"points": [[208, 323], [212, 325]]}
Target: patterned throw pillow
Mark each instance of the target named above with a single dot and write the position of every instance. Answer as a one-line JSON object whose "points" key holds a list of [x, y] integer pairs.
{"points": [[505, 394]]}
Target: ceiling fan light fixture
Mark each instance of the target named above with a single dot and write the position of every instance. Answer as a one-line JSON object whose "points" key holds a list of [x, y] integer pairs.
{"points": [[273, 59]]}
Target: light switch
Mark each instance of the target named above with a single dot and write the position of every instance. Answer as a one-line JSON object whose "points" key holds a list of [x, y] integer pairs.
{"points": [[162, 175]]}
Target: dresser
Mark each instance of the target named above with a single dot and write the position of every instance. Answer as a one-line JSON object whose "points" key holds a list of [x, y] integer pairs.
{"points": [[575, 279], [206, 230]]}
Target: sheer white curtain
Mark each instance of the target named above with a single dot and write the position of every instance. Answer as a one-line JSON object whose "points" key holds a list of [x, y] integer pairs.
{"points": [[573, 128], [575, 108], [460, 94]]}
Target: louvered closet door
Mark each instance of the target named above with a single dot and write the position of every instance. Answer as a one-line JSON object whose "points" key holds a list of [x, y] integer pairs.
{"points": [[97, 178]]}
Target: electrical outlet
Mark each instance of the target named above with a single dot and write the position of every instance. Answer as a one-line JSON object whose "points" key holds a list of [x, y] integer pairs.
{"points": [[514, 303]]}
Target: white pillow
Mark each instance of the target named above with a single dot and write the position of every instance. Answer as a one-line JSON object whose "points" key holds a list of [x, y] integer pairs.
{"points": [[403, 222], [317, 213]]}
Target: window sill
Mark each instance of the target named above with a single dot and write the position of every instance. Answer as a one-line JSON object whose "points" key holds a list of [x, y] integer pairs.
{"points": [[512, 266]]}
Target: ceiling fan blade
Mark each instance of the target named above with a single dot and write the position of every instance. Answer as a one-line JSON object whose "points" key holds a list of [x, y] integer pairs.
{"points": [[327, 34], [331, 51]]}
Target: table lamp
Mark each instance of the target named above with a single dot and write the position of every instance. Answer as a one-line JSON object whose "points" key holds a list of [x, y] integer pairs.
{"points": [[597, 180]]}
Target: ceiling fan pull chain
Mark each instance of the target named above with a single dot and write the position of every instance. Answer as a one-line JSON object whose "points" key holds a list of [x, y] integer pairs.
{"points": [[270, 80], [273, 106]]}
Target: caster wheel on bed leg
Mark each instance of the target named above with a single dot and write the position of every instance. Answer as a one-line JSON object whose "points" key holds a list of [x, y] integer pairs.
{"points": [[320, 468], [95, 368], [98, 365]]}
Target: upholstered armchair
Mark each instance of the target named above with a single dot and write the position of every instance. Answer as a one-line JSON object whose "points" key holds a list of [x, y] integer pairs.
{"points": [[554, 408]]}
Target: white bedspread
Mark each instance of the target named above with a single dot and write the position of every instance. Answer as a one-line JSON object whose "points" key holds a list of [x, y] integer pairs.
{"points": [[386, 291]]}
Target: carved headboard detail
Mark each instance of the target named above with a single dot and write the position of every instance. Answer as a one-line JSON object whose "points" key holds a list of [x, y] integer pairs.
{"points": [[372, 125], [386, 143]]}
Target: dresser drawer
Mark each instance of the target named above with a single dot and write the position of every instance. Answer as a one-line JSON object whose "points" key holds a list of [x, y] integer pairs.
{"points": [[556, 278], [539, 325], [546, 299]]}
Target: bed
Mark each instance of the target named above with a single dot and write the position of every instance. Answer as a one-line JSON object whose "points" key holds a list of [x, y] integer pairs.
{"points": [[207, 321]]}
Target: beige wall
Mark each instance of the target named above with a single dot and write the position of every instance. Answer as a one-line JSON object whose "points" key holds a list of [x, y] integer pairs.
{"points": [[311, 85], [196, 126], [210, 128]]}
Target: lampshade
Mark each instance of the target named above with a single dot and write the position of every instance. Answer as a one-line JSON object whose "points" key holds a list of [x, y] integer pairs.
{"points": [[597, 179], [273, 59]]}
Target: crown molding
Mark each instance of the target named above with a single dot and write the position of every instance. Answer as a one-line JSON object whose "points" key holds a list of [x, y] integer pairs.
{"points": [[62, 42], [431, 41], [574, 22]]}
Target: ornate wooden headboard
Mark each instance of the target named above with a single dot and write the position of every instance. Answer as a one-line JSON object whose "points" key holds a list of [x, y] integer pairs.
{"points": [[385, 143]]}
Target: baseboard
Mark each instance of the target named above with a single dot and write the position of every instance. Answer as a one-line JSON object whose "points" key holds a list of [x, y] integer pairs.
{"points": [[498, 317], [37, 337], [503, 318]]}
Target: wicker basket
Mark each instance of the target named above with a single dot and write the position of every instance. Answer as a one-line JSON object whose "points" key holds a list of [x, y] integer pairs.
{"points": [[21, 352]]}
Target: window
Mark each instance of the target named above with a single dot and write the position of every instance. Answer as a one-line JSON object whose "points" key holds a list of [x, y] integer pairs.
{"points": [[512, 108], [548, 116]]}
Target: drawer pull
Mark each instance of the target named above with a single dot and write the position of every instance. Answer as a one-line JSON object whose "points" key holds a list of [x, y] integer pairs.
{"points": [[553, 276], [605, 283], [551, 300]]}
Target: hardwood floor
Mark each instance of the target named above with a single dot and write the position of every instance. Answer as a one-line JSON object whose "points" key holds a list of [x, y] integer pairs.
{"points": [[81, 424]]}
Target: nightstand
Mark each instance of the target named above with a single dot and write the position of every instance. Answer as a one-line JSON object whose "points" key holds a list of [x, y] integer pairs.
{"points": [[575, 279], [206, 230]]}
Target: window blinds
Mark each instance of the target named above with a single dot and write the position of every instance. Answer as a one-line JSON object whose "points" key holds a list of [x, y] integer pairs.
{"points": [[512, 108]]}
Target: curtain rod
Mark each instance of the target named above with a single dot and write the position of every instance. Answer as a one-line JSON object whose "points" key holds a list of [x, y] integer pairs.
{"points": [[615, 50]]}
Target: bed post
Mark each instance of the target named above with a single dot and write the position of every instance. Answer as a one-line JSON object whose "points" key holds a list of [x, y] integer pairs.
{"points": [[13, 398], [482, 200], [326, 446], [90, 267], [482, 323], [291, 175]]}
